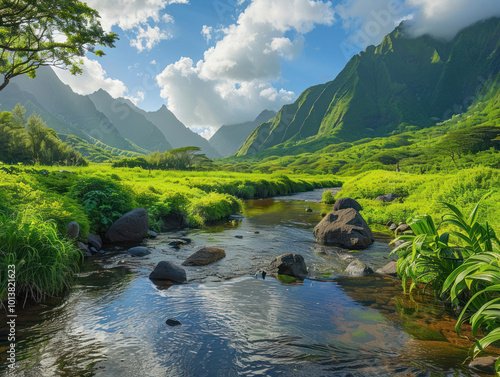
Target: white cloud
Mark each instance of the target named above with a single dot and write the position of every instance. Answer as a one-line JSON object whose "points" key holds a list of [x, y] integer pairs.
{"points": [[234, 81], [445, 18], [134, 16], [93, 78], [153, 62], [206, 31], [147, 38], [206, 132]]}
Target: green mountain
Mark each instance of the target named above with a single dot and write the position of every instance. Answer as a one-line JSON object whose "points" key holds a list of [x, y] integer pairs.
{"points": [[229, 138], [177, 133], [402, 84], [63, 110], [131, 123]]}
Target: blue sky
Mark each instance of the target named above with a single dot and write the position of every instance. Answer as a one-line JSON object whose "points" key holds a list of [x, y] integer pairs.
{"points": [[253, 54]]}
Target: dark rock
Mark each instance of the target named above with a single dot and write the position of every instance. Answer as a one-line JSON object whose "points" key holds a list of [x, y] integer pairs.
{"points": [[93, 250], [240, 237], [390, 268], [152, 234], [345, 203], [387, 198], [176, 243], [358, 268], [84, 249], [309, 210], [95, 241], [139, 251], [323, 214], [204, 256], [484, 365], [133, 226], [393, 227], [168, 271], [289, 264], [256, 232], [118, 248], [344, 228], [403, 228], [73, 230], [174, 220], [173, 322]]}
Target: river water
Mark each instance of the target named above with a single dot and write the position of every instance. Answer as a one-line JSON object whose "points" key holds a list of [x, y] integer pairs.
{"points": [[235, 323]]}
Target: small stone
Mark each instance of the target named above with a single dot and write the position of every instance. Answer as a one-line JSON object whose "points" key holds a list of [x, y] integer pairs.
{"points": [[389, 224], [484, 365], [93, 250], [95, 241], [256, 232], [84, 249], [309, 210], [393, 227], [152, 234], [173, 322], [139, 251], [390, 269], [358, 268], [176, 243], [240, 237], [401, 229], [323, 214], [73, 230]]}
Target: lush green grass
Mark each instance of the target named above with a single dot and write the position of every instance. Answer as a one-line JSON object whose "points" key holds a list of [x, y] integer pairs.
{"points": [[44, 262]]}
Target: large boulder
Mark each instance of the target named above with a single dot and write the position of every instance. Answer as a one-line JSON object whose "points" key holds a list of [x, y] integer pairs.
{"points": [[345, 228], [289, 264], [133, 226], [95, 241], [358, 268], [387, 198], [166, 271], [204, 256], [345, 203], [73, 230]]}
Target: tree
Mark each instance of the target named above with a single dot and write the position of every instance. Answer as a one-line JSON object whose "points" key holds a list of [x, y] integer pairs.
{"points": [[35, 33]]}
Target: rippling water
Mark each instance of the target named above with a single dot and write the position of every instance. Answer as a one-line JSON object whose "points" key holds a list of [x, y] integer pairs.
{"points": [[235, 324]]}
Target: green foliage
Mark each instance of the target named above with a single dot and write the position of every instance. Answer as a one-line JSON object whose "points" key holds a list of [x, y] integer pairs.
{"points": [[104, 201], [33, 34], [328, 197], [212, 207], [44, 262]]}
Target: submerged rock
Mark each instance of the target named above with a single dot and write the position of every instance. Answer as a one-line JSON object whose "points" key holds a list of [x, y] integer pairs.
{"points": [[204, 256], [238, 236], [139, 251], [344, 228], [166, 271], [133, 226], [176, 243], [358, 268], [390, 269], [73, 230], [95, 241], [173, 322], [289, 264], [346, 203]]}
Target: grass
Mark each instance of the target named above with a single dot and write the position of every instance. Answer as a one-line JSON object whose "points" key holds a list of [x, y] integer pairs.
{"points": [[44, 262]]}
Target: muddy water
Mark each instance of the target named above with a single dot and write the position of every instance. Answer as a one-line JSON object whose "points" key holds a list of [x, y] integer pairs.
{"points": [[235, 323]]}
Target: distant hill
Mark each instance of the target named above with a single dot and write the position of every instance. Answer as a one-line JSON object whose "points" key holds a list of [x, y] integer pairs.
{"points": [[130, 122], [177, 134], [63, 110], [229, 138], [401, 84]]}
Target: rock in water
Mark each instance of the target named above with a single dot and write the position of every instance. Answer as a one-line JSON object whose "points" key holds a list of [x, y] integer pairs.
{"points": [[345, 228], [95, 241], [309, 210], [73, 230], [139, 251], [168, 271], [173, 322], [345, 203], [289, 264], [152, 234], [204, 256], [390, 269], [358, 268], [133, 226]]}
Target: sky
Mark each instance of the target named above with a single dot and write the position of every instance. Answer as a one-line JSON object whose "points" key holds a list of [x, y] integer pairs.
{"points": [[221, 62]]}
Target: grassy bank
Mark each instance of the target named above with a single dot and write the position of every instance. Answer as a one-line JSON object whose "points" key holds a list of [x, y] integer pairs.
{"points": [[425, 193]]}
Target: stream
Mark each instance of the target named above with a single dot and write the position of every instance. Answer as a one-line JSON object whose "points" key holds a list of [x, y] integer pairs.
{"points": [[234, 323]]}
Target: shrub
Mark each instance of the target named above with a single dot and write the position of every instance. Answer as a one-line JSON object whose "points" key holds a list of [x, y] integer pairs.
{"points": [[212, 207], [104, 201], [44, 262], [328, 197]]}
